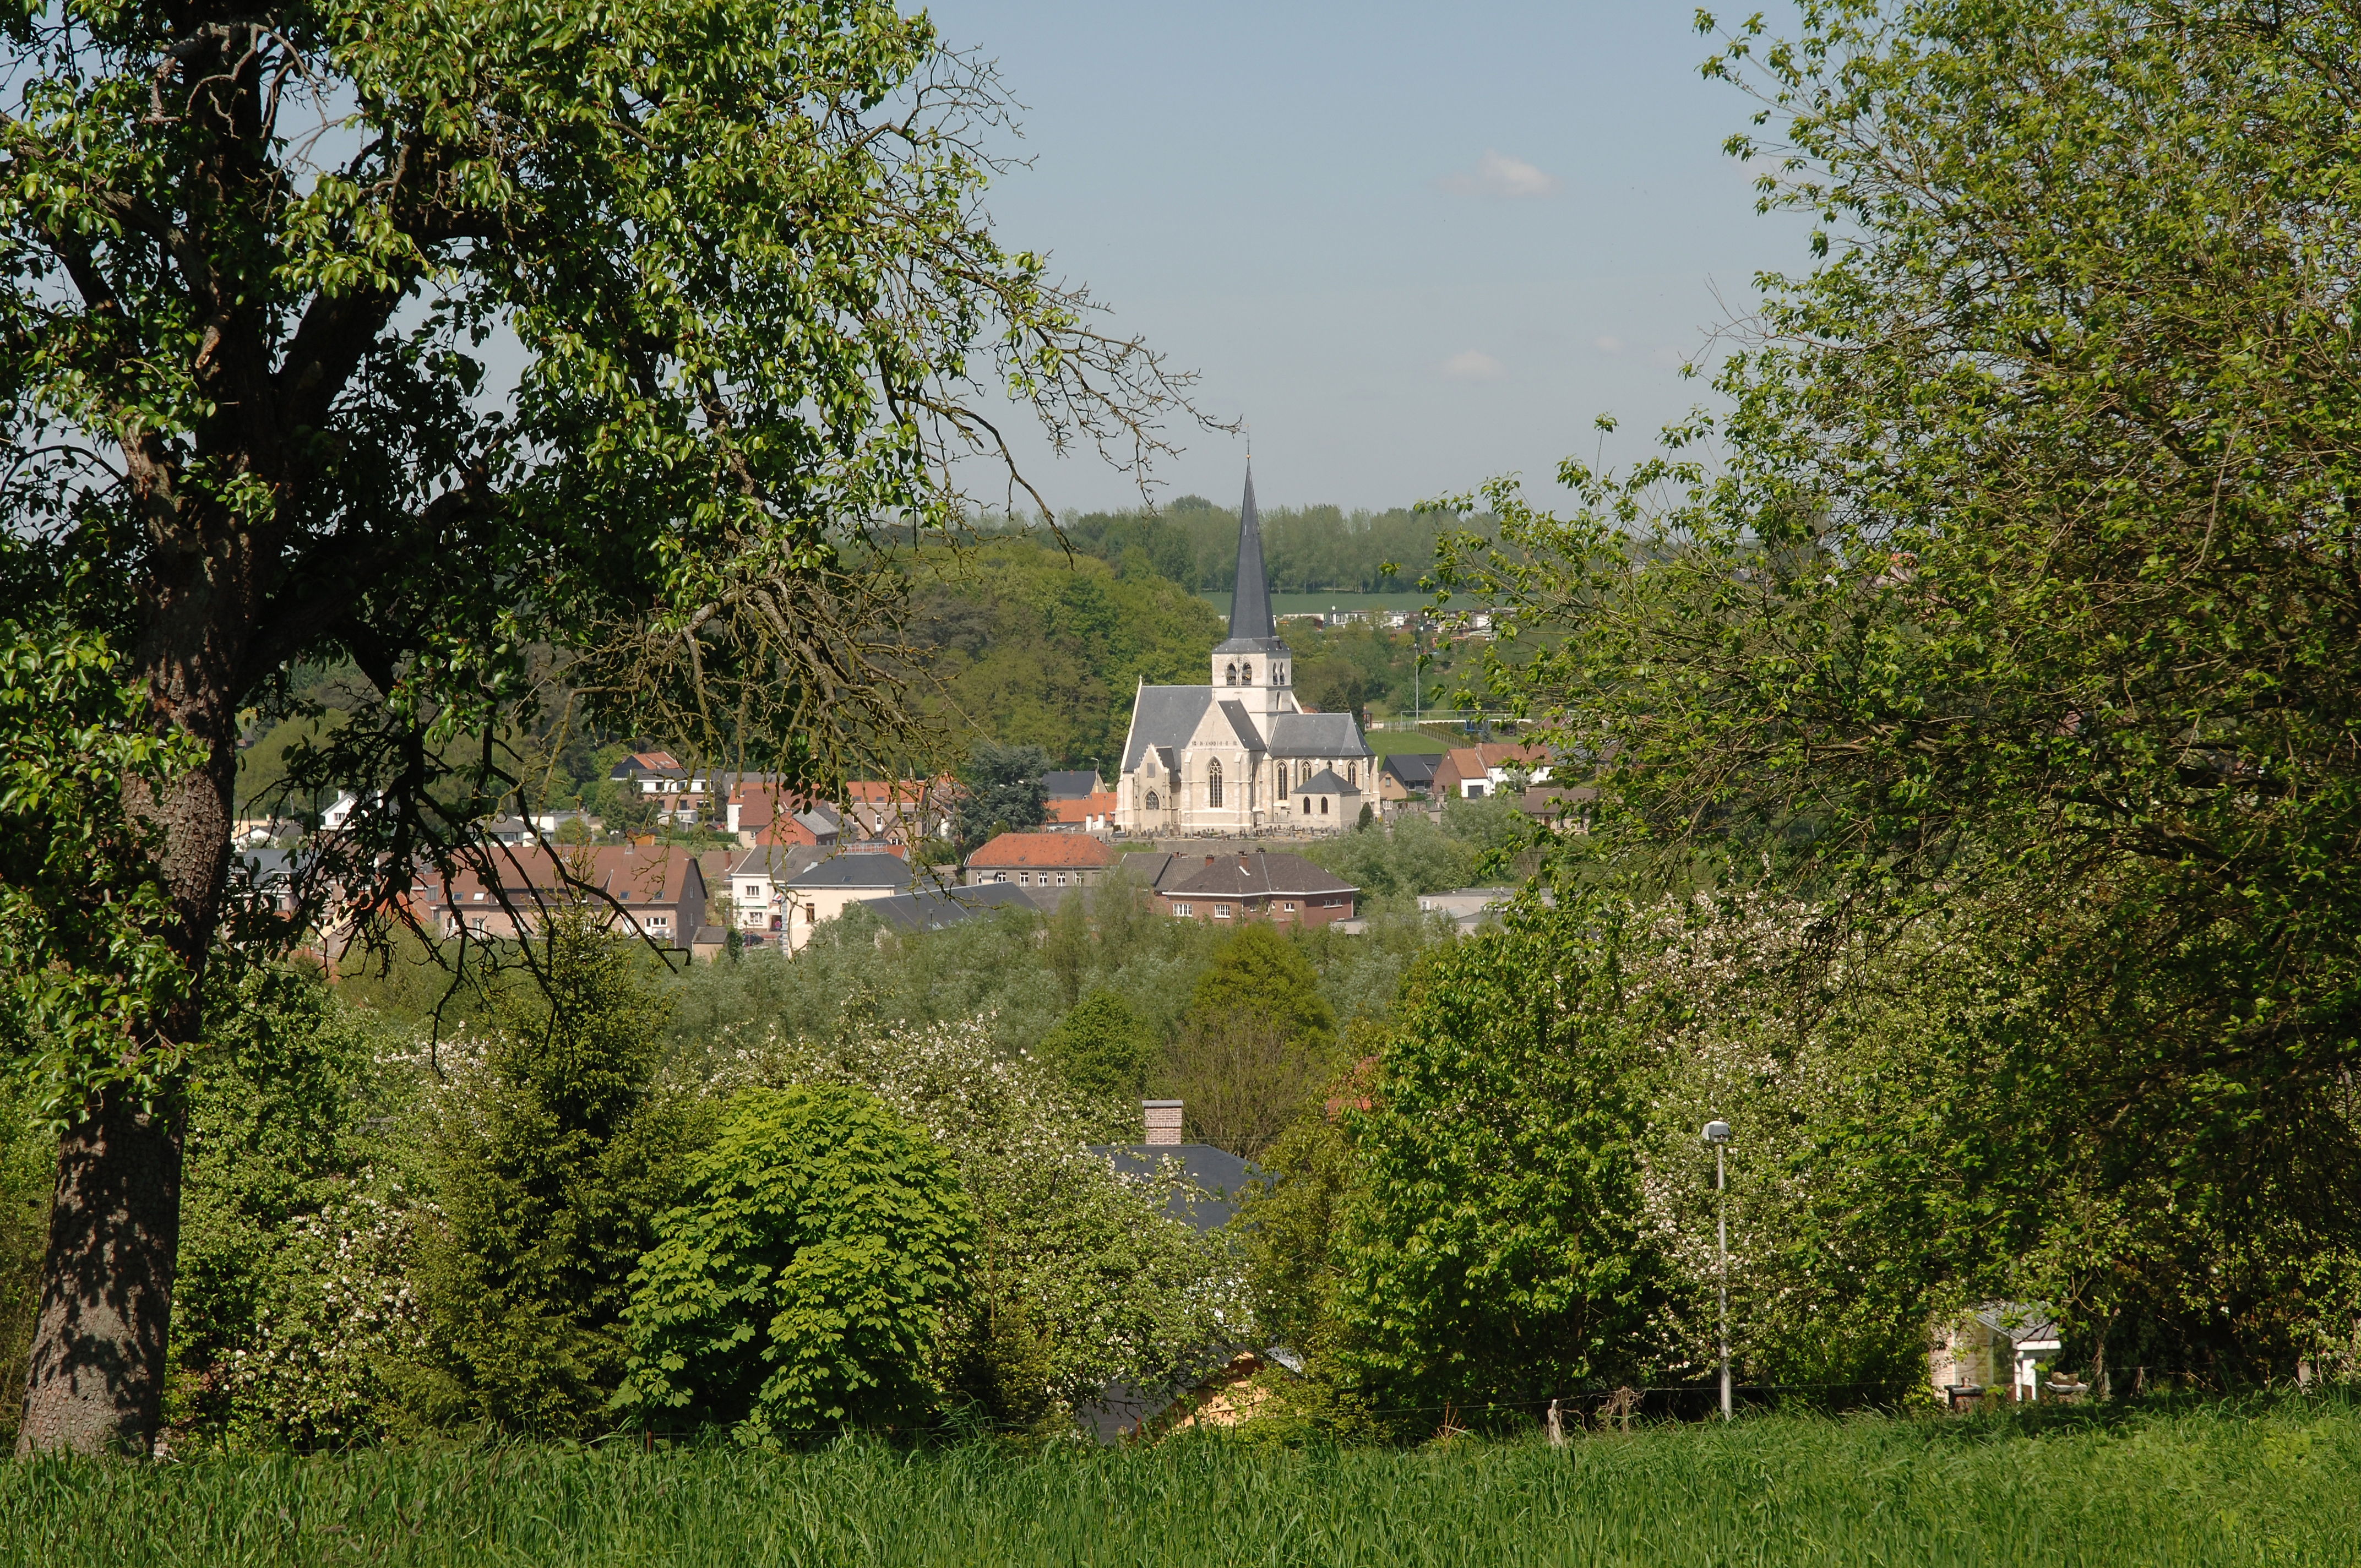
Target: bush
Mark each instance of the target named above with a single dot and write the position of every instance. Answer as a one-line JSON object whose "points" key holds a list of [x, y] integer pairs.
{"points": [[801, 1290], [293, 1311], [1080, 1280]]}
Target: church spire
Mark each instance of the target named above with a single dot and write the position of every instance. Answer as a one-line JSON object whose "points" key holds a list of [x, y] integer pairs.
{"points": [[1251, 622]]}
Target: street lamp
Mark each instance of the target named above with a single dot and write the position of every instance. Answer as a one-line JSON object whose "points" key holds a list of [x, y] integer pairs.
{"points": [[1718, 1134]]}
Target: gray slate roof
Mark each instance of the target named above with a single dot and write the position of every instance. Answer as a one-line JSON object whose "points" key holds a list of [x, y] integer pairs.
{"points": [[1242, 725], [1317, 735], [1251, 631], [1221, 1175], [1164, 717], [855, 871], [1415, 769], [1070, 785], [1325, 782], [931, 909], [777, 862], [1257, 874]]}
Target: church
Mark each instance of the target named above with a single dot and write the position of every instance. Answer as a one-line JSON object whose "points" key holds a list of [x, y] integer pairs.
{"points": [[1239, 755]]}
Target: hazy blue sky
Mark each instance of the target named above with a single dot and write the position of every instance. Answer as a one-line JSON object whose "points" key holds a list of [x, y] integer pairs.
{"points": [[1414, 244]]}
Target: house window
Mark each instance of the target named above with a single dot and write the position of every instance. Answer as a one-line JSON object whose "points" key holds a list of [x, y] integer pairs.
{"points": [[1000, 876], [477, 925], [655, 920], [1473, 791], [1062, 879], [1182, 910], [1287, 904], [1220, 912], [1213, 783], [753, 890]]}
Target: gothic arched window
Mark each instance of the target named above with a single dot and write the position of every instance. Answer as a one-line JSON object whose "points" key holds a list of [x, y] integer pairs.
{"points": [[1151, 801], [1233, 675], [1246, 674], [1213, 783]]}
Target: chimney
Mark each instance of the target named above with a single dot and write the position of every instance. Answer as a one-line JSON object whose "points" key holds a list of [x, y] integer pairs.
{"points": [[1162, 1120]]}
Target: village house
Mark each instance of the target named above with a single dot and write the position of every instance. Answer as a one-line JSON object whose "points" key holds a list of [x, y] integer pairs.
{"points": [[824, 889], [758, 809], [898, 811], [1253, 886], [1236, 756], [1472, 772], [756, 886], [679, 795], [1406, 775], [1053, 861], [1081, 814], [657, 894]]}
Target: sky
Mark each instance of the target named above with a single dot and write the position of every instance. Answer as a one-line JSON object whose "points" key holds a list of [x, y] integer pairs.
{"points": [[1413, 247]]}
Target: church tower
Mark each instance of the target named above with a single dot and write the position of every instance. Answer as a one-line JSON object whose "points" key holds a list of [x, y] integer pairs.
{"points": [[1253, 668]]}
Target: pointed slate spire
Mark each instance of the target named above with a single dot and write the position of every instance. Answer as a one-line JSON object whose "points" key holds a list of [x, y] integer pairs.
{"points": [[1250, 623]]}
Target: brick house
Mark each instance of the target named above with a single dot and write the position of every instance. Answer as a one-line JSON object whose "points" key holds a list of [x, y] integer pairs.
{"points": [[658, 893], [1051, 861], [1256, 885]]}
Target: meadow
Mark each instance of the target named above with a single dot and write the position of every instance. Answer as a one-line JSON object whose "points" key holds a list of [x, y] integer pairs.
{"points": [[2263, 1484]]}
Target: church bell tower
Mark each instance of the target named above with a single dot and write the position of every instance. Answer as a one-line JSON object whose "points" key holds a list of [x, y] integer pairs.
{"points": [[1253, 666]]}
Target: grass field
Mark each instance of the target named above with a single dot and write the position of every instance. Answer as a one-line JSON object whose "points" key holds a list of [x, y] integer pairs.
{"points": [[2278, 1485]]}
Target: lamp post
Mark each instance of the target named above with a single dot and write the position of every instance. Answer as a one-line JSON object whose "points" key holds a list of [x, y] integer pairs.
{"points": [[1717, 1133]]}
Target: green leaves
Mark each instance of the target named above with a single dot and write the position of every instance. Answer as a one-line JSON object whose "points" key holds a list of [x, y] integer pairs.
{"points": [[85, 961], [801, 1288], [1496, 1252]]}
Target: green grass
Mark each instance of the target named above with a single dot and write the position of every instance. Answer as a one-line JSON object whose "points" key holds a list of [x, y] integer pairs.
{"points": [[2268, 1486]]}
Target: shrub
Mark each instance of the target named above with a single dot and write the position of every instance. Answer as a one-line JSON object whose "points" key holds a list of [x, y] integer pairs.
{"points": [[293, 1309], [1080, 1280], [801, 1288]]}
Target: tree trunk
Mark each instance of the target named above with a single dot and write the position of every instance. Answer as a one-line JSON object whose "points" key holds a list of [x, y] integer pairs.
{"points": [[96, 1383], [96, 1380]]}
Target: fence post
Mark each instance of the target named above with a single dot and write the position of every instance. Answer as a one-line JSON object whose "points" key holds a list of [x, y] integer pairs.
{"points": [[1555, 1426]]}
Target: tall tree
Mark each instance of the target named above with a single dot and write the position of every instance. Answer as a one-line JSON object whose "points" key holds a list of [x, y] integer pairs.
{"points": [[250, 259], [2028, 582]]}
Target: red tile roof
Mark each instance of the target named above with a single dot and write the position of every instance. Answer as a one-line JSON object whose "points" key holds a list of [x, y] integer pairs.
{"points": [[1078, 811], [1063, 849]]}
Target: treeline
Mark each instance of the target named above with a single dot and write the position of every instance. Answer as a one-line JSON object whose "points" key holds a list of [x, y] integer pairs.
{"points": [[1320, 549]]}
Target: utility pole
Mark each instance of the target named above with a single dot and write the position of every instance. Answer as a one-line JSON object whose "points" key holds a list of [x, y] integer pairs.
{"points": [[1718, 1134]]}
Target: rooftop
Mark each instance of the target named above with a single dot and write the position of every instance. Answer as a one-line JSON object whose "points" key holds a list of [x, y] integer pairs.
{"points": [[854, 871], [1029, 850], [1253, 874]]}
